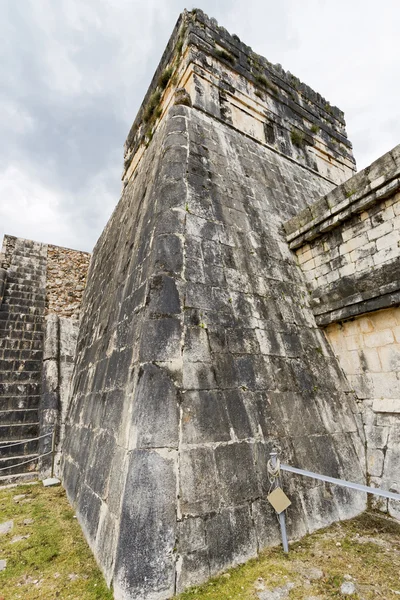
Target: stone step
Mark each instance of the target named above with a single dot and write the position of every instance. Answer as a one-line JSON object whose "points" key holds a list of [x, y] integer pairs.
{"points": [[17, 309], [12, 465], [20, 376], [18, 432], [14, 287], [15, 300], [19, 402], [18, 478], [20, 321], [20, 389], [17, 344], [21, 354], [28, 267], [20, 334], [6, 315], [20, 416], [10, 448], [21, 295], [19, 366]]}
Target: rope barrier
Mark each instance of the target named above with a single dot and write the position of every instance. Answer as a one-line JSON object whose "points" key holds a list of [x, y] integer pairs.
{"points": [[25, 441], [25, 461]]}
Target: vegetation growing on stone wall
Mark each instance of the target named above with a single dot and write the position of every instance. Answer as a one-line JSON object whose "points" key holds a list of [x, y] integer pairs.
{"points": [[152, 106], [221, 53], [181, 39], [262, 80], [297, 138], [165, 76], [349, 193], [314, 128]]}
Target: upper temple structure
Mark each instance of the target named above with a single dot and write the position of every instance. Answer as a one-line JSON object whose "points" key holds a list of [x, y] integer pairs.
{"points": [[244, 296]]}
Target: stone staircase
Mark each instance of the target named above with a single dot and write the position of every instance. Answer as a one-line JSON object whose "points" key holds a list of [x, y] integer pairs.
{"points": [[21, 355]]}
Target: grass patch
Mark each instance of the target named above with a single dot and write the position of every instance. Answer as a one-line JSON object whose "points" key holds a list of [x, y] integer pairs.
{"points": [[55, 560], [365, 549]]}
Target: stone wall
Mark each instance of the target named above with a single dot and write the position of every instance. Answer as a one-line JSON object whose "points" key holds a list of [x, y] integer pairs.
{"points": [[58, 361], [368, 350], [224, 78], [66, 280], [348, 248], [351, 233], [36, 355], [367, 240], [201, 357]]}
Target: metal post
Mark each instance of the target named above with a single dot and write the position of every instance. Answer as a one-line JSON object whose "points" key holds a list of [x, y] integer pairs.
{"points": [[53, 447], [282, 519]]}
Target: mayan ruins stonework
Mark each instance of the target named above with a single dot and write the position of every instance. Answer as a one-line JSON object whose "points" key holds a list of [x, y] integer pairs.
{"points": [[244, 296]]}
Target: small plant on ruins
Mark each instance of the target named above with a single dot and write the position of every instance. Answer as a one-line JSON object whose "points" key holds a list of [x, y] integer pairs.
{"points": [[297, 138], [262, 80], [349, 193], [221, 53], [179, 43], [165, 77], [314, 128], [152, 106]]}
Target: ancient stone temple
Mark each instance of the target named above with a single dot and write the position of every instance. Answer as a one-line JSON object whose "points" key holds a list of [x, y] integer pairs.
{"points": [[243, 296]]}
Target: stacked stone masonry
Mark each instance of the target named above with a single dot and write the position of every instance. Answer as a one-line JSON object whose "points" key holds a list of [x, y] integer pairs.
{"points": [[368, 350], [66, 280], [204, 353], [21, 354], [348, 243], [37, 280], [350, 257], [368, 240], [225, 79]]}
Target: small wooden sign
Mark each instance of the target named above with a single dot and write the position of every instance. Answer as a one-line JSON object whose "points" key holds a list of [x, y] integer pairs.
{"points": [[279, 500]]}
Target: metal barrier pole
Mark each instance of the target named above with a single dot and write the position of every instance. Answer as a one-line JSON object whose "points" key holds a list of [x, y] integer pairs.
{"points": [[53, 447], [342, 482], [282, 520]]}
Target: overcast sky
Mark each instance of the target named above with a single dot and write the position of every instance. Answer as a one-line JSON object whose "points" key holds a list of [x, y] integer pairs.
{"points": [[74, 72]]}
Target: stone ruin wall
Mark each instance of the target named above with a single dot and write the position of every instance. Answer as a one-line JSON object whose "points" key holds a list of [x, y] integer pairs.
{"points": [[225, 79], [368, 350], [65, 281], [55, 278], [350, 258], [205, 353]]}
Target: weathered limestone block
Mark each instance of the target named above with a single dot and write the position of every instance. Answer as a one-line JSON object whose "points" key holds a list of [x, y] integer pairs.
{"points": [[367, 349]]}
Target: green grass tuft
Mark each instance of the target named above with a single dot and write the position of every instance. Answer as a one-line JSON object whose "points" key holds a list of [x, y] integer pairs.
{"points": [[55, 554]]}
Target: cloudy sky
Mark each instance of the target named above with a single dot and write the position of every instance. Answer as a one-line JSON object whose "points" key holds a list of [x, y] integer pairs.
{"points": [[73, 74]]}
